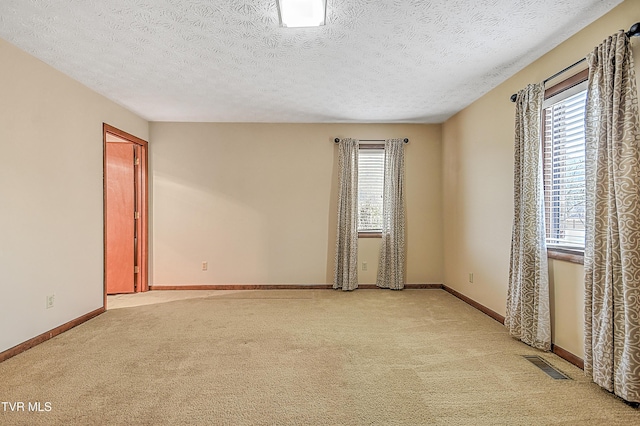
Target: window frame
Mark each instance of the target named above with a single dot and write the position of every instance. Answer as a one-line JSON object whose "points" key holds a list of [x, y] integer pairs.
{"points": [[559, 253], [369, 234]]}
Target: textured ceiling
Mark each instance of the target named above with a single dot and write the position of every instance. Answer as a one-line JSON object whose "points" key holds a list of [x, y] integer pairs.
{"points": [[229, 61]]}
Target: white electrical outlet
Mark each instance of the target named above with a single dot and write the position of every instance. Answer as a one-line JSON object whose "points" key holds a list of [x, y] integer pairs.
{"points": [[365, 266], [471, 277], [50, 300], [205, 266]]}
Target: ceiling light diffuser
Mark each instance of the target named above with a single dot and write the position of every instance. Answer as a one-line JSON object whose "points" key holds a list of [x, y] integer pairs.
{"points": [[302, 13]]}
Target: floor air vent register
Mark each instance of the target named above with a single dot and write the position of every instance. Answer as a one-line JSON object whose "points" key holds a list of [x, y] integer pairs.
{"points": [[546, 367]]}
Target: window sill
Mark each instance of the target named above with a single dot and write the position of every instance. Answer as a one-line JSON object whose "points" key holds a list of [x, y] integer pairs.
{"points": [[369, 234], [572, 256]]}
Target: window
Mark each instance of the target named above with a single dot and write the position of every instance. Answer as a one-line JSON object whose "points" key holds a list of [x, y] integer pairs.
{"points": [[370, 189], [564, 173]]}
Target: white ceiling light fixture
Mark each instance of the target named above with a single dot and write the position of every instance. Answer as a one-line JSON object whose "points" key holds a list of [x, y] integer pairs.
{"points": [[302, 13]]}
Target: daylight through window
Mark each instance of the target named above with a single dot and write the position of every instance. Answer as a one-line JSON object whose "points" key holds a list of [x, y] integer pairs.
{"points": [[370, 189], [564, 172]]}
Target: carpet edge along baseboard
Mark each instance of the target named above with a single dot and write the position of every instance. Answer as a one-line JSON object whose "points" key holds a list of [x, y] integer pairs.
{"points": [[278, 286], [21, 347]]}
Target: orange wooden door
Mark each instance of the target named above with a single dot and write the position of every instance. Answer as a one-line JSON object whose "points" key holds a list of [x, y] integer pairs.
{"points": [[120, 207]]}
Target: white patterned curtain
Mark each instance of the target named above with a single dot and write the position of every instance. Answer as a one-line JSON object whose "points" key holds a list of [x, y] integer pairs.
{"points": [[612, 246], [391, 265], [346, 255], [528, 316]]}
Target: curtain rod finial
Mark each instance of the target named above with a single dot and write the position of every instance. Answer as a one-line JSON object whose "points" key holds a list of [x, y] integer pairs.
{"points": [[513, 97], [406, 140], [634, 30], [336, 140]]}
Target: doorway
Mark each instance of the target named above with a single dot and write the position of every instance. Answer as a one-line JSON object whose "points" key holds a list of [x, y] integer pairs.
{"points": [[125, 212]]}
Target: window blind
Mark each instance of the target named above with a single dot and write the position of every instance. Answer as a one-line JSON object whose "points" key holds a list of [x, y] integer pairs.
{"points": [[564, 173], [370, 189]]}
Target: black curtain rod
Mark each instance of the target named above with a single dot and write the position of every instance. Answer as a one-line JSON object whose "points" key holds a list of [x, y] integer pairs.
{"points": [[406, 140], [633, 31], [515, 95], [564, 70]]}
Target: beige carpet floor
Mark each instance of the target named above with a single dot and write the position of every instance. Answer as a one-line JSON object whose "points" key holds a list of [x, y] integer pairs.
{"points": [[299, 357]]}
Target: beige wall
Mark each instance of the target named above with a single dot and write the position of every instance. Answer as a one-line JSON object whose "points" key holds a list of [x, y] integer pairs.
{"points": [[258, 202], [478, 188], [51, 228]]}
